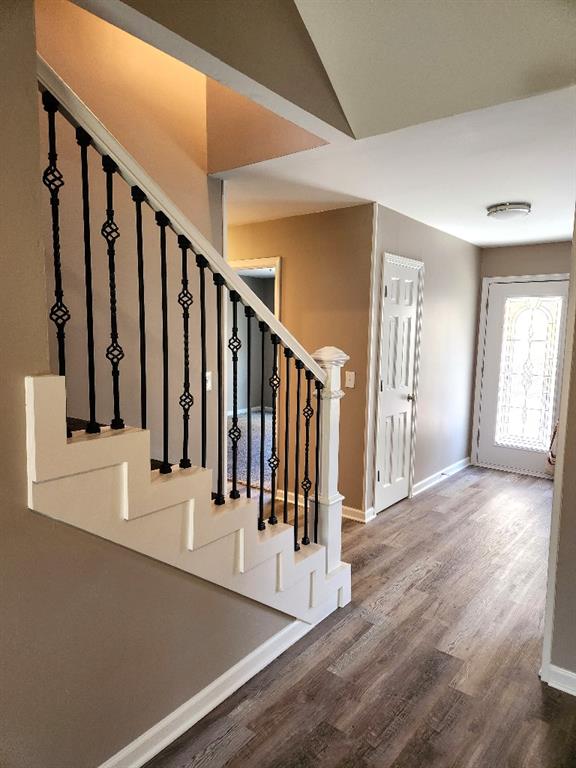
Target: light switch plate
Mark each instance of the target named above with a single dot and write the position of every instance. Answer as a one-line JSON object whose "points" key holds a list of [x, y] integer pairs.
{"points": [[350, 379]]}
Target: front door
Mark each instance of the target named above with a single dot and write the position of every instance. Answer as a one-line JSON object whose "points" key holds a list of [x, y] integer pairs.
{"points": [[521, 373], [398, 339]]}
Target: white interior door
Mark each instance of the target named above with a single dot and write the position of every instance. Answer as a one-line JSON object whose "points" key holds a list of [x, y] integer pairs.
{"points": [[396, 395], [521, 374]]}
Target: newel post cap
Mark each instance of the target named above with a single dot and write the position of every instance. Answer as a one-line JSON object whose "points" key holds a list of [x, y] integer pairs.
{"points": [[330, 356]]}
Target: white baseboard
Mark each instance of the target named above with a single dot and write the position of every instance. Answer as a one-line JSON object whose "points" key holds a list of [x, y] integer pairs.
{"points": [[561, 679], [155, 739], [359, 515], [438, 477], [349, 512]]}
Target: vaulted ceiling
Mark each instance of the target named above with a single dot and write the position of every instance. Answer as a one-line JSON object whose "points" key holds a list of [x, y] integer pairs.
{"points": [[435, 108], [395, 63]]}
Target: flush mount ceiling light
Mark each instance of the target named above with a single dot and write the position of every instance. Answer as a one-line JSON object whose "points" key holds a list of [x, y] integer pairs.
{"points": [[508, 210]]}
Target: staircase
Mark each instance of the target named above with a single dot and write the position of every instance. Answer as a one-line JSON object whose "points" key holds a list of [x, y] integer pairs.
{"points": [[280, 548]]}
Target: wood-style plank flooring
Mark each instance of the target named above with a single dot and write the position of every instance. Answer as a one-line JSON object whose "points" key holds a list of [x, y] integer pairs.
{"points": [[435, 662]]}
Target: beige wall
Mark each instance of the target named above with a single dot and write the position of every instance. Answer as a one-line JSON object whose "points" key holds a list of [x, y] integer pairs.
{"points": [[156, 107], [563, 646], [325, 286], [152, 103], [448, 343], [97, 643], [265, 40], [326, 263], [23, 324], [241, 132], [539, 259]]}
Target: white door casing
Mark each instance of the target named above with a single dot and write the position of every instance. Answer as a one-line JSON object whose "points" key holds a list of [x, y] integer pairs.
{"points": [[519, 370], [400, 320]]}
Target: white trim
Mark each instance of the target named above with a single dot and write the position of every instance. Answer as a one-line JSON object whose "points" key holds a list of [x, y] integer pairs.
{"points": [[352, 513], [559, 678], [481, 353], [371, 372], [73, 107], [159, 736], [438, 477], [358, 515], [514, 470], [130, 20], [553, 276], [266, 261]]}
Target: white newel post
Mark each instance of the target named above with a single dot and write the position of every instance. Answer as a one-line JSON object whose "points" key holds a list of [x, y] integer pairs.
{"points": [[330, 500]]}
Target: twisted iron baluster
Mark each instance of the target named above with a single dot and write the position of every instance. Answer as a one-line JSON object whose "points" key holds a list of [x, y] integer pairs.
{"points": [[308, 412], [110, 233], [53, 180], [84, 141], [263, 331], [249, 313], [202, 263], [219, 282], [299, 368], [139, 198], [163, 222], [273, 461], [234, 433], [288, 354], [186, 400], [318, 386]]}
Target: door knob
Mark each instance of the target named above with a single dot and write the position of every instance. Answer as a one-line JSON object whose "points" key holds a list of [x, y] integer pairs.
{"points": [[411, 398]]}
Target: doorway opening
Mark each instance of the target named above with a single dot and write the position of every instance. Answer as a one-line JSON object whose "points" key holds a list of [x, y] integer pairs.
{"points": [[263, 277], [519, 370]]}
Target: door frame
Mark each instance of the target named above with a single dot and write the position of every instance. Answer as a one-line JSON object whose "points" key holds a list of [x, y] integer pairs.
{"points": [[374, 364], [481, 353], [265, 261]]}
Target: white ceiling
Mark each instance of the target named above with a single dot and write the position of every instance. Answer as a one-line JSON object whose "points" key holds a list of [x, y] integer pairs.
{"points": [[443, 173], [394, 63]]}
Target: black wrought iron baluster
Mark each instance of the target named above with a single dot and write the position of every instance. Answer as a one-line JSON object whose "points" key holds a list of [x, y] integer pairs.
{"points": [[234, 433], [299, 368], [186, 400], [52, 179], [84, 141], [110, 233], [318, 386], [249, 312], [139, 198], [219, 282], [202, 264], [288, 356], [308, 412], [163, 222], [263, 331], [273, 460]]}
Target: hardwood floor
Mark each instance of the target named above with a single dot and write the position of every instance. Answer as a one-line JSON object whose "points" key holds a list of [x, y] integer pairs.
{"points": [[435, 662]]}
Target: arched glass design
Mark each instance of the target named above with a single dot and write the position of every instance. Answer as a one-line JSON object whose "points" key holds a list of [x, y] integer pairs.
{"points": [[528, 368]]}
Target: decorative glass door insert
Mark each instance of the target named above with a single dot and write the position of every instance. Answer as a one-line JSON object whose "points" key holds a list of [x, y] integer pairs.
{"points": [[528, 368], [520, 364]]}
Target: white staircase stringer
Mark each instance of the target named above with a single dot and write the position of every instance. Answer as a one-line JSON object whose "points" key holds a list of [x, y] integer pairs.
{"points": [[102, 484]]}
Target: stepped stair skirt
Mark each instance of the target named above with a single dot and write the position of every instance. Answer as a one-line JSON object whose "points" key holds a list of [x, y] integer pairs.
{"points": [[102, 484]]}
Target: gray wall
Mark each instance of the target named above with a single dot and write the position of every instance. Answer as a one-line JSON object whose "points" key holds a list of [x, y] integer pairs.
{"points": [[263, 287], [537, 259], [97, 643], [449, 332]]}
